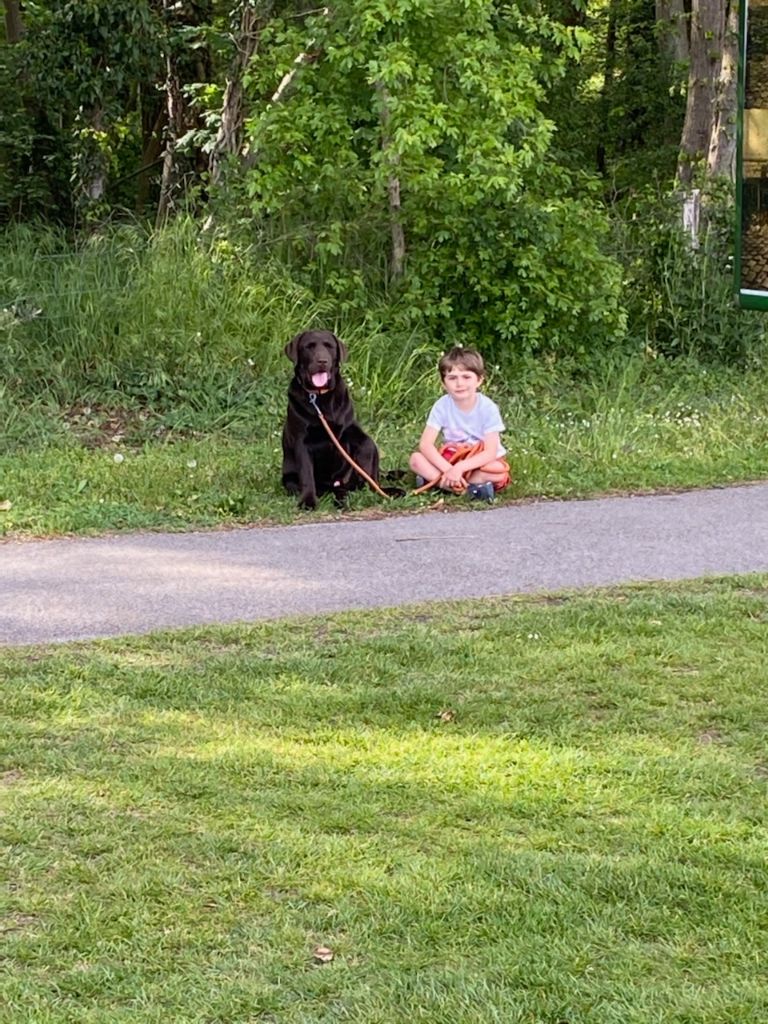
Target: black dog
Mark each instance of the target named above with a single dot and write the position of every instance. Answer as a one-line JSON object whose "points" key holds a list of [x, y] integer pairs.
{"points": [[312, 465]]}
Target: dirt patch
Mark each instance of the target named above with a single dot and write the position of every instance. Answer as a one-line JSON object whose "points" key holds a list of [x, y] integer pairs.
{"points": [[710, 736], [101, 426], [16, 922], [11, 777]]}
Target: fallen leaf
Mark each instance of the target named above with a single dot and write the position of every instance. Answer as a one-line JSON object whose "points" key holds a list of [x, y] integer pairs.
{"points": [[446, 715], [323, 954], [6, 506]]}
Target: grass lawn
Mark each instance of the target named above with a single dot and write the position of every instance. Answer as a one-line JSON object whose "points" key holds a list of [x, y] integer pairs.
{"points": [[542, 811], [641, 429]]}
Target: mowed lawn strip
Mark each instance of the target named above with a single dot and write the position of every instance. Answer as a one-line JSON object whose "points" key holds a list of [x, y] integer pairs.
{"points": [[544, 811]]}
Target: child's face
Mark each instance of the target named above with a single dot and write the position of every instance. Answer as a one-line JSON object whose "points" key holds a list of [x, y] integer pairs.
{"points": [[461, 384]]}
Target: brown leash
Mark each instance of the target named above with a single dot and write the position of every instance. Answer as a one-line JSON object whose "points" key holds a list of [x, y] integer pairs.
{"points": [[456, 457], [358, 469], [462, 453]]}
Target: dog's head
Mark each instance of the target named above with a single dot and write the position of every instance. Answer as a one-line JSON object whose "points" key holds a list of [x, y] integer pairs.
{"points": [[316, 356]]}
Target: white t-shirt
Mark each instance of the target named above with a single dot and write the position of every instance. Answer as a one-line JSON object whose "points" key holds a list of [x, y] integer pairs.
{"points": [[466, 427]]}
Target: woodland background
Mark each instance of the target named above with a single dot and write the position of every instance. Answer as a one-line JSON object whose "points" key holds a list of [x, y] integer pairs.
{"points": [[508, 173]]}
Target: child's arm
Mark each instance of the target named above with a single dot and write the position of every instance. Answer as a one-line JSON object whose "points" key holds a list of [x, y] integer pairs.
{"points": [[454, 475], [488, 454], [428, 449]]}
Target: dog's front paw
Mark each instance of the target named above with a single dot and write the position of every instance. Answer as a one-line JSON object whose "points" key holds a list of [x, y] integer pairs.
{"points": [[308, 500]]}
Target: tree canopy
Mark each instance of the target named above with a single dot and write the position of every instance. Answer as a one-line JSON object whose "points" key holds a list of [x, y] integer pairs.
{"points": [[460, 158]]}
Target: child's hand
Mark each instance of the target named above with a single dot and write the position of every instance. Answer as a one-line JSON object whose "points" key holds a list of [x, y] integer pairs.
{"points": [[452, 480]]}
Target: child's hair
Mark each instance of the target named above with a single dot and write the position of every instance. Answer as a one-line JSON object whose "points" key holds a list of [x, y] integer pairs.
{"points": [[467, 358]]}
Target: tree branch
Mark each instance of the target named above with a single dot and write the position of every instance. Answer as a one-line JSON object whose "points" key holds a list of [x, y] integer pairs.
{"points": [[230, 134], [250, 157]]}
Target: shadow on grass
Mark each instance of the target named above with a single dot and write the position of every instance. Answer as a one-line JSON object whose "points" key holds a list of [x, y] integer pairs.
{"points": [[581, 840], [465, 875]]}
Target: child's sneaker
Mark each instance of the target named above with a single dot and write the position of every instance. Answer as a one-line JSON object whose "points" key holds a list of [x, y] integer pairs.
{"points": [[482, 492]]}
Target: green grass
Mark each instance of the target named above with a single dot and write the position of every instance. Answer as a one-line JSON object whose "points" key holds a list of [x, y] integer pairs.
{"points": [[143, 385], [580, 838], [639, 430]]}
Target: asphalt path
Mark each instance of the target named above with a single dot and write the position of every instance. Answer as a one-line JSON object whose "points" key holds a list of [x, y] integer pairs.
{"points": [[81, 588]]}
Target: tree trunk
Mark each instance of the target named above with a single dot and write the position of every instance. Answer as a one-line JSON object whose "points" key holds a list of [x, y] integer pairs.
{"points": [[229, 138], [721, 159], [707, 37], [392, 160], [90, 170], [97, 178], [173, 131], [14, 26], [605, 93], [152, 149], [673, 33]]}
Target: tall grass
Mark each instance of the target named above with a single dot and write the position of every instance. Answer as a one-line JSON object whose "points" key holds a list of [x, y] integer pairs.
{"points": [[679, 295], [160, 316], [177, 319], [189, 326]]}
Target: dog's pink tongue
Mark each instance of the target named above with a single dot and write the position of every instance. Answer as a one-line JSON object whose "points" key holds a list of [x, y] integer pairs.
{"points": [[319, 379]]}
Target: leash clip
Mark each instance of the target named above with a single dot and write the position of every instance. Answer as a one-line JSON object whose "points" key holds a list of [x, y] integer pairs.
{"points": [[313, 400]]}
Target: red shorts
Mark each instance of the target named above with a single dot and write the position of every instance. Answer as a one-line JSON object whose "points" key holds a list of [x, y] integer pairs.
{"points": [[456, 451]]}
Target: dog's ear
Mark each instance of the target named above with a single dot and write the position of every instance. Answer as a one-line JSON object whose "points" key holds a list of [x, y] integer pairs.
{"points": [[292, 348], [342, 350]]}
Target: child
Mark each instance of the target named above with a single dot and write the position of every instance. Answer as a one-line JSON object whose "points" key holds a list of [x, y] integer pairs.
{"points": [[465, 418]]}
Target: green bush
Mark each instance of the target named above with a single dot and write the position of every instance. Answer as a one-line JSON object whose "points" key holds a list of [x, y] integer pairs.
{"points": [[503, 246]]}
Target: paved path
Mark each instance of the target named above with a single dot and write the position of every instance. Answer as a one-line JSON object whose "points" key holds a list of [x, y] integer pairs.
{"points": [[69, 589]]}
